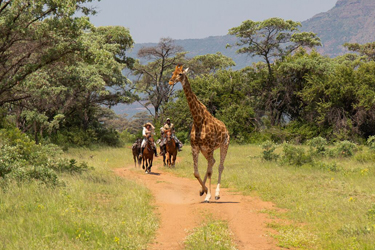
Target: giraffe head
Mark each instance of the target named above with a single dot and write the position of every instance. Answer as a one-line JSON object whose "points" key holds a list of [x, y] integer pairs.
{"points": [[177, 75]]}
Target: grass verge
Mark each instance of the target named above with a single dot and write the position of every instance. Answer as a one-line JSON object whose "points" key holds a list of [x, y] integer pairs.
{"points": [[93, 210]]}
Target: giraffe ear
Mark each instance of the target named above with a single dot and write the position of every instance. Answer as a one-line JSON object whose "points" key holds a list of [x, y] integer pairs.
{"points": [[186, 70]]}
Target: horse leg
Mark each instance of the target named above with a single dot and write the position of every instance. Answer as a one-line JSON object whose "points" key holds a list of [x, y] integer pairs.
{"points": [[150, 166], [164, 159], [174, 159]]}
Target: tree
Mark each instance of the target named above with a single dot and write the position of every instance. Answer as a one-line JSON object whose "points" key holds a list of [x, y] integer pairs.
{"points": [[35, 34], [76, 90], [152, 84], [367, 49], [209, 64], [271, 39]]}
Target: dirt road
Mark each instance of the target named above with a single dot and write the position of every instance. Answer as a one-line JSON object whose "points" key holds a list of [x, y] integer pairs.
{"points": [[181, 209]]}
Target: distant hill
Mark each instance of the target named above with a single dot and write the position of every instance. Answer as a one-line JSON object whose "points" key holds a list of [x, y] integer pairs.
{"points": [[348, 21], [209, 45]]}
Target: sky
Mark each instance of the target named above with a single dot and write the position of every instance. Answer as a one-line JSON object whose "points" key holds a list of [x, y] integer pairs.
{"points": [[150, 20]]}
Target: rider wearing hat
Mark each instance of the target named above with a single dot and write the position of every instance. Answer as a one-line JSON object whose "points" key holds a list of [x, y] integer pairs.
{"points": [[169, 126], [148, 130]]}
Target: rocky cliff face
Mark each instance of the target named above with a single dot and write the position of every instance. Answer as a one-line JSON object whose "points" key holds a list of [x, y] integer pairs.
{"points": [[349, 21]]}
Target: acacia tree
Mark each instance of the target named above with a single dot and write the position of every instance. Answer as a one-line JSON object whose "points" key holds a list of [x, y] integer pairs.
{"points": [[273, 40], [152, 84], [209, 64], [367, 49]]}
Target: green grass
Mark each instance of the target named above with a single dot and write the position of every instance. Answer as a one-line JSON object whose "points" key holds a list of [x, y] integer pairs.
{"points": [[93, 210], [211, 235], [325, 209]]}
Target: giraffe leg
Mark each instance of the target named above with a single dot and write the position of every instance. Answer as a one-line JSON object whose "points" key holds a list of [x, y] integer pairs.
{"points": [[195, 152], [211, 161], [223, 154]]}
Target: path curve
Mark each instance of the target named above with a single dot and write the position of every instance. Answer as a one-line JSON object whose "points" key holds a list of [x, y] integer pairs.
{"points": [[181, 209]]}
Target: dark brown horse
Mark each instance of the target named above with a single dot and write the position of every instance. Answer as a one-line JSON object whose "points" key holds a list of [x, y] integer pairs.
{"points": [[171, 149], [148, 154], [136, 149]]}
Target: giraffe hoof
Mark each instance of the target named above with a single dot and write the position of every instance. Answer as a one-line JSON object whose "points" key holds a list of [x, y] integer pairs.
{"points": [[201, 193], [206, 201], [217, 197]]}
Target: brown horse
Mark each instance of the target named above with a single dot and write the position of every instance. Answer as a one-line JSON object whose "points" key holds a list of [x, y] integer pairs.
{"points": [[148, 154], [171, 149], [136, 149]]}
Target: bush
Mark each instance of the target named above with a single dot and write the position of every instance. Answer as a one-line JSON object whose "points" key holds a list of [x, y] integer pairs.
{"points": [[317, 145], [127, 137], [371, 142], [23, 160], [294, 155], [344, 149], [268, 151]]}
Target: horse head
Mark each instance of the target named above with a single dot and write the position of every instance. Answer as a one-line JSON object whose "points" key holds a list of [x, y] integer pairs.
{"points": [[168, 135], [151, 141]]}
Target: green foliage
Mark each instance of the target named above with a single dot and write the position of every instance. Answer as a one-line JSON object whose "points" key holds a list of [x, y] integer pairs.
{"points": [[22, 160], [317, 145], [210, 63], [268, 153], [371, 142], [127, 137], [293, 155], [344, 149], [367, 49]]}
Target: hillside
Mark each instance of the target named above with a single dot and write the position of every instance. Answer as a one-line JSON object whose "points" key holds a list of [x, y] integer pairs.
{"points": [[209, 45], [348, 21]]}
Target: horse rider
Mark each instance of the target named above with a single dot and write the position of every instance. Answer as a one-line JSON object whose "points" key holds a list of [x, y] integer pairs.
{"points": [[148, 130], [169, 126]]}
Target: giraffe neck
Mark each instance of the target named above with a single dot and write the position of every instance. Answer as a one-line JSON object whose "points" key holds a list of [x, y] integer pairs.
{"points": [[197, 108]]}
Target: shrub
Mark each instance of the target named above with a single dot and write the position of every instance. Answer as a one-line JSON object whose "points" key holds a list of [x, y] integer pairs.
{"points": [[344, 149], [317, 145], [294, 155], [23, 160], [268, 151], [371, 142]]}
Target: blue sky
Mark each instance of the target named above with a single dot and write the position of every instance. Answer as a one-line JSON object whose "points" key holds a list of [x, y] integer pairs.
{"points": [[150, 20]]}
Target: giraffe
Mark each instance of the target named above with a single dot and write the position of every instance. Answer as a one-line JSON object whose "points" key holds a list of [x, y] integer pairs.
{"points": [[207, 134]]}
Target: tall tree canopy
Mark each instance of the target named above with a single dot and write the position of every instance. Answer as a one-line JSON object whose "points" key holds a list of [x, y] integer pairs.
{"points": [[271, 39], [152, 83], [34, 34]]}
